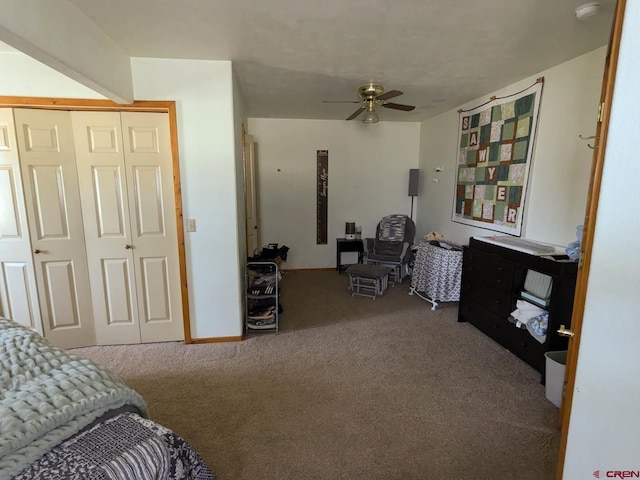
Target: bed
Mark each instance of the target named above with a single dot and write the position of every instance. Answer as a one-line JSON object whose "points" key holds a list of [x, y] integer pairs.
{"points": [[63, 416]]}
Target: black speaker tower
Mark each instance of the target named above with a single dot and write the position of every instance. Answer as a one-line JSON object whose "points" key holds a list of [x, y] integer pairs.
{"points": [[414, 185]]}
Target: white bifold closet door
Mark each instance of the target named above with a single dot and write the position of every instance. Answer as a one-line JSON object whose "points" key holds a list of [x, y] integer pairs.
{"points": [[18, 292], [52, 200], [88, 239], [126, 184]]}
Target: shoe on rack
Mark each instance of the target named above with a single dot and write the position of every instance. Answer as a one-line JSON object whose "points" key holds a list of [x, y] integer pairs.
{"points": [[263, 303], [261, 313], [265, 289], [261, 324], [266, 278]]}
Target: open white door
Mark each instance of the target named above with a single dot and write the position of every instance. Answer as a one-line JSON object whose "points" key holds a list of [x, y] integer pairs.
{"points": [[251, 196], [602, 126]]}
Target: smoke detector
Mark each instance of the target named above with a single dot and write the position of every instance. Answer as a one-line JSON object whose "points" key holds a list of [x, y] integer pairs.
{"points": [[587, 10]]}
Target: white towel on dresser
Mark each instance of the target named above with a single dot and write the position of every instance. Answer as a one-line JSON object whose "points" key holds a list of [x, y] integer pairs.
{"points": [[525, 311]]}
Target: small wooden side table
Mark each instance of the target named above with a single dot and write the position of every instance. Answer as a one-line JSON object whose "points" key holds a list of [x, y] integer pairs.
{"points": [[344, 245]]}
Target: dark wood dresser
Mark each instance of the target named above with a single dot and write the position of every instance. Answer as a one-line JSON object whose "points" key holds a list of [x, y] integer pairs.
{"points": [[492, 279]]}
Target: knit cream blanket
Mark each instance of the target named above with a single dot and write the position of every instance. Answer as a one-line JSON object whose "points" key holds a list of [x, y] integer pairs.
{"points": [[47, 395]]}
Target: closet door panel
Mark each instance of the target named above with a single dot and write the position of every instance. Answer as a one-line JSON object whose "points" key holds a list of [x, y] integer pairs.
{"points": [[157, 295], [61, 287], [103, 189], [48, 168], [49, 202], [117, 277], [148, 200], [10, 221], [108, 201], [151, 204], [18, 298], [18, 291]]}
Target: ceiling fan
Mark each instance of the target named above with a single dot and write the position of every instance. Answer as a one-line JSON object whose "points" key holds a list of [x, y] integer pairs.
{"points": [[372, 95]]}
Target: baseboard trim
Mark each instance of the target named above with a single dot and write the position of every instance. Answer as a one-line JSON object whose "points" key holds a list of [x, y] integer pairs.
{"points": [[217, 339]]}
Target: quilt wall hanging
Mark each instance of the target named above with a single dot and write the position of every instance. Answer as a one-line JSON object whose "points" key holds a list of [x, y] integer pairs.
{"points": [[495, 148]]}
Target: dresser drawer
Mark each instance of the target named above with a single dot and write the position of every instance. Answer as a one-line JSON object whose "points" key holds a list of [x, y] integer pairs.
{"points": [[523, 345], [487, 269], [484, 320], [497, 300]]}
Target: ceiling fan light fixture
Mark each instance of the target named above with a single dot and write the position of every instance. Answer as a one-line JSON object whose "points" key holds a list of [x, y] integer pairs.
{"points": [[587, 10], [370, 117]]}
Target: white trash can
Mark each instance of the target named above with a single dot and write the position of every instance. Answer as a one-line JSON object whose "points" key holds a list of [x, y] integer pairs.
{"points": [[556, 363]]}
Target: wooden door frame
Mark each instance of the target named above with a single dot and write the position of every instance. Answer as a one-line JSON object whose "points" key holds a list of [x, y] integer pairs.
{"points": [[244, 187], [245, 180], [158, 106], [602, 129]]}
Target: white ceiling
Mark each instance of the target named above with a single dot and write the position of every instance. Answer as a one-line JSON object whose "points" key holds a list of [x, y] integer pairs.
{"points": [[289, 55]]}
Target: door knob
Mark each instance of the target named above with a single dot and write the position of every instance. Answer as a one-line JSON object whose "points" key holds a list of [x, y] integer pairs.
{"points": [[36, 251], [128, 247], [565, 332]]}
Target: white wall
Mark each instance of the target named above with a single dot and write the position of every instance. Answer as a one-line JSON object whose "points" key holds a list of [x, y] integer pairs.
{"points": [[605, 419], [203, 91], [240, 121], [559, 179], [64, 38], [24, 76], [368, 179], [204, 99]]}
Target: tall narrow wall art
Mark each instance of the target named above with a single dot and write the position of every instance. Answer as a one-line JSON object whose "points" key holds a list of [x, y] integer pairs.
{"points": [[495, 150], [322, 195]]}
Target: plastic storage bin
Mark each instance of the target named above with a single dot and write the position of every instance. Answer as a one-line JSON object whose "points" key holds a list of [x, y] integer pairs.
{"points": [[555, 364]]}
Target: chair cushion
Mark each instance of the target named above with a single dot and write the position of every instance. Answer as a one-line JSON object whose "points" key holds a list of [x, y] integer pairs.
{"points": [[391, 228], [382, 247]]}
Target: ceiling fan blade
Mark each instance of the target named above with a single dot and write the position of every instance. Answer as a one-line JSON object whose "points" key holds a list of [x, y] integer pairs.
{"points": [[389, 94], [341, 101], [399, 106], [357, 112]]}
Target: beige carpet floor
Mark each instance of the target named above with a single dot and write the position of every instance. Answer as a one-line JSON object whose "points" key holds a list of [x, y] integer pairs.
{"points": [[352, 388]]}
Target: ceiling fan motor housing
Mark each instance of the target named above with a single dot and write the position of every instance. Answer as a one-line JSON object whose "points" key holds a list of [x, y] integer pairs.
{"points": [[370, 91]]}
